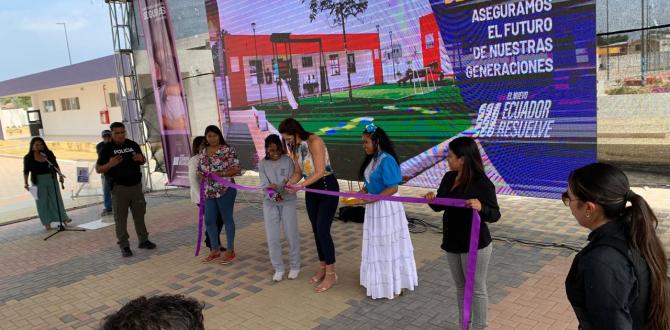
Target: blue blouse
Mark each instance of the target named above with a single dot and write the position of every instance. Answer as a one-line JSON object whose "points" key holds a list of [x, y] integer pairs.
{"points": [[382, 172]]}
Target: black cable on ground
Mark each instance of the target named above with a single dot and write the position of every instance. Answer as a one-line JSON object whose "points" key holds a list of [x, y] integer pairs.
{"points": [[417, 226]]}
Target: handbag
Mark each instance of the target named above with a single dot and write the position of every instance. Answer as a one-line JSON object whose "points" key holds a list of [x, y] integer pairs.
{"points": [[353, 213]]}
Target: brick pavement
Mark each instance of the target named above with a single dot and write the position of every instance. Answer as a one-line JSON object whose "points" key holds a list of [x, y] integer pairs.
{"points": [[17, 203], [74, 279]]}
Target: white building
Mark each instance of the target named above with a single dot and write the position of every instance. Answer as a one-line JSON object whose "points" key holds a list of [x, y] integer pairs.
{"points": [[78, 100]]}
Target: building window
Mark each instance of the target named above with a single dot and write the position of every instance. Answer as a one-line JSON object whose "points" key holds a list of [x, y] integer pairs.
{"points": [[351, 63], [307, 62], [113, 99], [430, 41], [71, 103], [256, 71], [334, 64], [235, 64], [49, 106]]}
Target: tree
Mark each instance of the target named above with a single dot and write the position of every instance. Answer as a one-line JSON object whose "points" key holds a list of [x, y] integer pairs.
{"points": [[18, 101], [339, 11], [604, 41]]}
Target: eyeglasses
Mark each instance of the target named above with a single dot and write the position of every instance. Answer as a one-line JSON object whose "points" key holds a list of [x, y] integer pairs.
{"points": [[370, 128], [566, 199]]}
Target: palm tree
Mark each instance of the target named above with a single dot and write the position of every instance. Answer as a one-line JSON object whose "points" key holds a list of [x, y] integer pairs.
{"points": [[339, 11]]}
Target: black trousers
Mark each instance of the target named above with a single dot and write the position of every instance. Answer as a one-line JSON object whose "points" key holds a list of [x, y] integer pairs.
{"points": [[321, 210]]}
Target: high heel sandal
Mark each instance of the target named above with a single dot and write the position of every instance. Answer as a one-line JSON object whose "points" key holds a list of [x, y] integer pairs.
{"points": [[316, 278], [320, 289]]}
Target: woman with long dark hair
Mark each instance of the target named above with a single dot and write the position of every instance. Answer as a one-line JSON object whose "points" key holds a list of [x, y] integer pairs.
{"points": [[619, 280], [312, 164], [467, 180], [197, 148], [387, 257], [220, 159], [49, 200]]}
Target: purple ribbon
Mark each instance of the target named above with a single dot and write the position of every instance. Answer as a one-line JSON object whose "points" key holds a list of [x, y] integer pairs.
{"points": [[201, 216], [472, 268], [474, 230]]}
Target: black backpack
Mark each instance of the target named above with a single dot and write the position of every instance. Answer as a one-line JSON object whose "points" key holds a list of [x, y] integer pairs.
{"points": [[352, 213]]}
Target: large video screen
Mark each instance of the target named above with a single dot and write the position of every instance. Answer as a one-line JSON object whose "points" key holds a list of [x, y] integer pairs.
{"points": [[518, 76]]}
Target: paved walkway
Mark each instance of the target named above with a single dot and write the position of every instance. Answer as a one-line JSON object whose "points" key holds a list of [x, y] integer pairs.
{"points": [[74, 279], [16, 203]]}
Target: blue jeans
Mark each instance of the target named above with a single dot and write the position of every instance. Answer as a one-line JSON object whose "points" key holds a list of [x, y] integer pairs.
{"points": [[106, 194], [223, 206]]}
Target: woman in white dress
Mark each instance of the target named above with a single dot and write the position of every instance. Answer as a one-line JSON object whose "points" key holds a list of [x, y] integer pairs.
{"points": [[387, 260]]}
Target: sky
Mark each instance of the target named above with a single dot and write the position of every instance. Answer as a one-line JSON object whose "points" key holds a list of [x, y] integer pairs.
{"points": [[31, 41]]}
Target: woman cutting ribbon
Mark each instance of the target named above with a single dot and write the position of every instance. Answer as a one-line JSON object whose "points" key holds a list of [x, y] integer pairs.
{"points": [[312, 163]]}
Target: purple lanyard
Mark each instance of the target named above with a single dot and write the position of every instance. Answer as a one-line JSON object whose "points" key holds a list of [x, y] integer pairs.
{"points": [[474, 230]]}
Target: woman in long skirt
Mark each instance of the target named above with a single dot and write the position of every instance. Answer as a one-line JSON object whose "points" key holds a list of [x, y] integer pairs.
{"points": [[387, 260], [49, 200]]}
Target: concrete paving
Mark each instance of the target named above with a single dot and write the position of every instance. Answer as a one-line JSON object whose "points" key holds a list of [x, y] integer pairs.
{"points": [[74, 279]]}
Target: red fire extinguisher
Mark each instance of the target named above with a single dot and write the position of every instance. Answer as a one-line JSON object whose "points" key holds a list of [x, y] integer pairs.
{"points": [[104, 116]]}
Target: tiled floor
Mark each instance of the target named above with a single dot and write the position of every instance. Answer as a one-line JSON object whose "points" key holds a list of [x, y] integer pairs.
{"points": [[74, 279]]}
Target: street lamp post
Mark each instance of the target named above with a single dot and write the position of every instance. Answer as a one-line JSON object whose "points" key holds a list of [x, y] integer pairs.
{"points": [[260, 88], [643, 50], [381, 57], [392, 54], [67, 42]]}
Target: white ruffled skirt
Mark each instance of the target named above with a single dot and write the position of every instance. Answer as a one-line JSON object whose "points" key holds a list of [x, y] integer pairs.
{"points": [[387, 260]]}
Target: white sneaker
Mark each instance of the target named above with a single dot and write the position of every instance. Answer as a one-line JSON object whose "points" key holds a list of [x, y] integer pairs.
{"points": [[293, 274], [278, 276]]}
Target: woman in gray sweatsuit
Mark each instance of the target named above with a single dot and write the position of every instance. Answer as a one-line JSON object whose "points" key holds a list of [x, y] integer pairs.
{"points": [[279, 207]]}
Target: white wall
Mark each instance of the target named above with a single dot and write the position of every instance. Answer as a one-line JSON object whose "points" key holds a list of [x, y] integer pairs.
{"points": [[634, 128], [82, 122]]}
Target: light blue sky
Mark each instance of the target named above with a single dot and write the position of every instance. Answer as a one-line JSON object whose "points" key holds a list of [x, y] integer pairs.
{"points": [[33, 42]]}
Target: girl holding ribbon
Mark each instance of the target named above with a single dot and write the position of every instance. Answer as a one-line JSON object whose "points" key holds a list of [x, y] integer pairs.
{"points": [[619, 280], [312, 164], [387, 258], [220, 159], [279, 207], [467, 180]]}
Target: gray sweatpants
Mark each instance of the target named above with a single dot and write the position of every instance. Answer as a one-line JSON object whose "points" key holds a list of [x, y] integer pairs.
{"points": [[275, 216], [458, 264]]}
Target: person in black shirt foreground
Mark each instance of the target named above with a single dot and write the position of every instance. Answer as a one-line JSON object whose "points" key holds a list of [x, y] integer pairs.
{"points": [[467, 180], [120, 161], [619, 280]]}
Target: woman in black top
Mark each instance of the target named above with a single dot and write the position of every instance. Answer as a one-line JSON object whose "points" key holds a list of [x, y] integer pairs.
{"points": [[619, 280], [467, 180], [49, 200]]}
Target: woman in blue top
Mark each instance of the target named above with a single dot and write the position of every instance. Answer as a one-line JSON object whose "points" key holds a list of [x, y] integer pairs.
{"points": [[387, 259]]}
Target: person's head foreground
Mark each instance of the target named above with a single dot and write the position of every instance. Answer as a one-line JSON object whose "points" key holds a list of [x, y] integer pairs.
{"points": [[166, 312]]}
